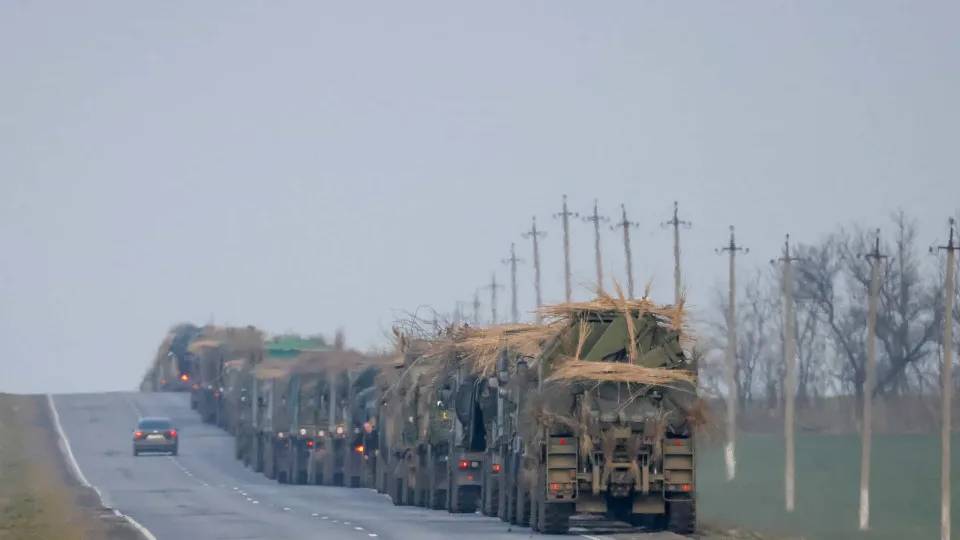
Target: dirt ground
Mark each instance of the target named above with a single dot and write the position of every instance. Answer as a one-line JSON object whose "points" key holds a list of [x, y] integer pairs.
{"points": [[39, 498]]}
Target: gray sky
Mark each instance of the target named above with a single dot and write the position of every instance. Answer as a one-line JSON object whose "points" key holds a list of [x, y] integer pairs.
{"points": [[303, 165]]}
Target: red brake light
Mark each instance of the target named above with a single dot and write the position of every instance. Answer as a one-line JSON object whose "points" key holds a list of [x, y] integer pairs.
{"points": [[555, 487], [163, 381], [464, 464], [563, 441], [216, 394], [195, 386], [496, 468], [138, 434], [173, 433], [310, 443]]}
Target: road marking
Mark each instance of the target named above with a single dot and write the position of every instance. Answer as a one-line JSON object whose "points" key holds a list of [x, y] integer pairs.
{"points": [[371, 534], [358, 528], [324, 517], [78, 474], [285, 509], [256, 502], [314, 515]]}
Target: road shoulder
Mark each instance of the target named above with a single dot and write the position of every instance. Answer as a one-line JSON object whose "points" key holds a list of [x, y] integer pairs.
{"points": [[39, 495]]}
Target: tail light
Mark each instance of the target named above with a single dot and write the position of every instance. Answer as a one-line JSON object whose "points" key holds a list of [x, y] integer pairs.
{"points": [[464, 464], [196, 386], [138, 434], [496, 468], [360, 449], [216, 394], [164, 381], [309, 444], [173, 433], [184, 377]]}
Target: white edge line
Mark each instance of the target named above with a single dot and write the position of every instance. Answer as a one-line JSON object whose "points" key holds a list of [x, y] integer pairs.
{"points": [[75, 469]]}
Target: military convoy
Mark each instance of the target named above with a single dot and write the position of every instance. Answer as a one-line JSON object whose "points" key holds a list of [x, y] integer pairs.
{"points": [[595, 411]]}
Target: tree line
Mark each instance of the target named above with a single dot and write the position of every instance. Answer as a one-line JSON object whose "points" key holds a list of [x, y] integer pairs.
{"points": [[831, 286]]}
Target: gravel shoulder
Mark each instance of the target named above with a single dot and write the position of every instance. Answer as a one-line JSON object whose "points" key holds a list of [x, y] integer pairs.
{"points": [[39, 497]]}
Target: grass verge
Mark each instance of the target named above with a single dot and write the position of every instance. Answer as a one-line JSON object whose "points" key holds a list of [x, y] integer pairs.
{"points": [[38, 499]]}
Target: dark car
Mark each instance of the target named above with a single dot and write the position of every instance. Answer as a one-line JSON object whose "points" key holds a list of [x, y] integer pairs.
{"points": [[155, 434]]}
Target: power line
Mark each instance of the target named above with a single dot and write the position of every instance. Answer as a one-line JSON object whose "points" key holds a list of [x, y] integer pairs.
{"points": [[866, 430], [626, 224], [512, 261], [730, 456], [565, 216], [535, 235], [676, 223], [493, 286], [947, 381], [596, 219], [788, 261]]}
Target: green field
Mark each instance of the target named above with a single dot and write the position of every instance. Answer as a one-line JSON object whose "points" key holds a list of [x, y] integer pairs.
{"points": [[904, 499]]}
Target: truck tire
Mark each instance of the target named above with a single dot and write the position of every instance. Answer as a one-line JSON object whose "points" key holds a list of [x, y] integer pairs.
{"points": [[398, 491], [555, 518], [682, 517], [523, 507]]}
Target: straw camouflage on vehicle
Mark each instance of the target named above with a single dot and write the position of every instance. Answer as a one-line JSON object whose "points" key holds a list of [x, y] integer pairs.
{"points": [[608, 356]]}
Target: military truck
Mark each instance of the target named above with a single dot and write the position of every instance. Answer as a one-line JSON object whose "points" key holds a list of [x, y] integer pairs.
{"points": [[306, 380], [173, 368], [235, 388], [345, 445], [271, 390], [214, 347], [416, 432], [615, 438]]}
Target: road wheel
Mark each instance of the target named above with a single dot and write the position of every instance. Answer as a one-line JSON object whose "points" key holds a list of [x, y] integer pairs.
{"points": [[135, 452], [174, 452]]}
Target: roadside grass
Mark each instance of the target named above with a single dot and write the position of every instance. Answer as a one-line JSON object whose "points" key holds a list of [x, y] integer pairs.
{"points": [[35, 501], [905, 487]]}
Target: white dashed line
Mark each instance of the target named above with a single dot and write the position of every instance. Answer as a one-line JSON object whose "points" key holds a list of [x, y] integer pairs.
{"points": [[256, 502], [314, 515], [371, 534], [358, 528], [324, 517], [285, 509]]}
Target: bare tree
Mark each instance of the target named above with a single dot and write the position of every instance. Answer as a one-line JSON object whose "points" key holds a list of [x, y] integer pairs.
{"points": [[907, 321], [753, 313]]}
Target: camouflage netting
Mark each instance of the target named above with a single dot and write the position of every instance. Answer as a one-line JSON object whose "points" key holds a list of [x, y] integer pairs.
{"points": [[603, 361]]}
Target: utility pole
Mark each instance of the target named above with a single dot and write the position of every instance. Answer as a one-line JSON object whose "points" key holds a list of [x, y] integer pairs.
{"points": [[625, 224], [867, 422], [596, 219], [947, 382], [535, 234], [788, 261], [512, 261], [476, 308], [676, 222], [459, 315], [730, 456], [565, 217], [493, 286]]}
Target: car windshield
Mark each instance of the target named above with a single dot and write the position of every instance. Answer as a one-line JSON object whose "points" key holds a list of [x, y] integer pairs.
{"points": [[154, 423]]}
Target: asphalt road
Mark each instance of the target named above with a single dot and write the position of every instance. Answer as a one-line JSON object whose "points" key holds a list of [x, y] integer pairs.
{"points": [[205, 494]]}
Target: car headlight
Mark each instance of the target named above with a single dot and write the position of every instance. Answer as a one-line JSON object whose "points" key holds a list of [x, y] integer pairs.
{"points": [[303, 431]]}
